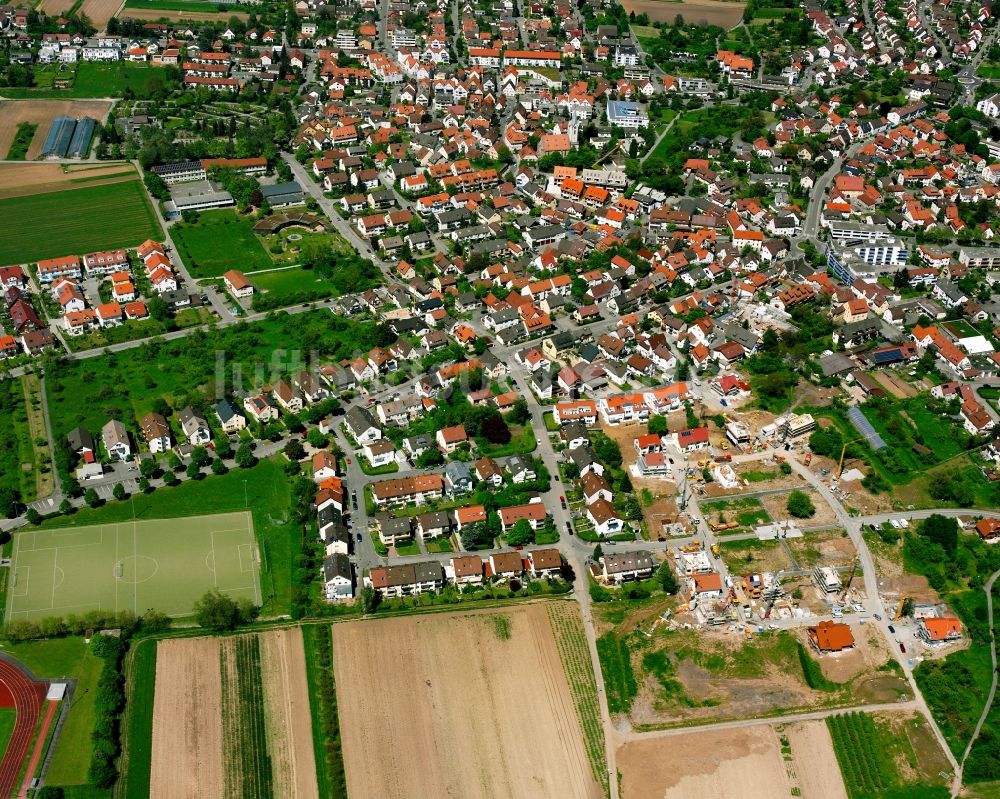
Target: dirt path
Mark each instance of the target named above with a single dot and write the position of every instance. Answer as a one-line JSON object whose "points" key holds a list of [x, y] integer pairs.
{"points": [[466, 706], [988, 588], [289, 724], [817, 772], [187, 721]]}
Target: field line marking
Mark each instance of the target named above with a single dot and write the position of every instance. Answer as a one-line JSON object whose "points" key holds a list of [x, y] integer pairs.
{"points": [[55, 565], [113, 568], [215, 573], [135, 557]]}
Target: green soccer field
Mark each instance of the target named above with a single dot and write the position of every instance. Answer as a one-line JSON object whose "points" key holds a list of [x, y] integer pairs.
{"points": [[76, 221], [161, 564]]}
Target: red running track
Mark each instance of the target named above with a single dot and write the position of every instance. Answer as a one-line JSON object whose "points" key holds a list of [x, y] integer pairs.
{"points": [[26, 698]]}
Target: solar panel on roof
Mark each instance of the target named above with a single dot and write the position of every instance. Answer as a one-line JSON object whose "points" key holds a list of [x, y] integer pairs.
{"points": [[887, 356]]}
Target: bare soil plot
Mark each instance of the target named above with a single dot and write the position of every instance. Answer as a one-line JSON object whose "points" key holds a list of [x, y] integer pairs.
{"points": [[41, 113], [868, 654], [55, 7], [154, 15], [287, 711], [814, 761], [187, 720], [458, 704], [744, 762], [823, 548], [775, 504], [100, 11], [894, 384]]}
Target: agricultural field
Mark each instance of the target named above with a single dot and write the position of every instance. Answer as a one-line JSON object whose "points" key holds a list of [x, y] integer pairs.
{"points": [[723, 13], [17, 113], [761, 762], [18, 180], [99, 11], [176, 11], [677, 676], [888, 756], [165, 564], [220, 240], [78, 220], [231, 718], [451, 718]]}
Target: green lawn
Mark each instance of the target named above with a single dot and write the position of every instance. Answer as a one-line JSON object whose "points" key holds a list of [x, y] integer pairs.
{"points": [[76, 221], [138, 722], [88, 392], [219, 241], [15, 441], [22, 141], [294, 286], [7, 718], [111, 80], [93, 79], [989, 71], [268, 500], [66, 657]]}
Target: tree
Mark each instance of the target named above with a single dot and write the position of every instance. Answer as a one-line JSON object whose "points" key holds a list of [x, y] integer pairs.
{"points": [[174, 462], [50, 792], [519, 413], [245, 458], [144, 485], [800, 506], [657, 424], [118, 492], [222, 447], [148, 467], [666, 578], [216, 611], [520, 534], [598, 552], [316, 438], [219, 467], [65, 507], [193, 471], [431, 456], [370, 599], [786, 468], [91, 498], [941, 530], [200, 456], [8, 502], [294, 450], [33, 516]]}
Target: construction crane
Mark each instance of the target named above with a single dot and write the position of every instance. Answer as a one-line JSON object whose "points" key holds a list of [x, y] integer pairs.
{"points": [[850, 578], [843, 452], [773, 594]]}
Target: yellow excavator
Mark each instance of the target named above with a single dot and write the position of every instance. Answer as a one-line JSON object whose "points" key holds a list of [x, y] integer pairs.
{"points": [[899, 610]]}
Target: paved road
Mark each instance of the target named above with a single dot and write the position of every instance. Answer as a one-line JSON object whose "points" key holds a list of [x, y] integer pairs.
{"points": [[988, 588]]}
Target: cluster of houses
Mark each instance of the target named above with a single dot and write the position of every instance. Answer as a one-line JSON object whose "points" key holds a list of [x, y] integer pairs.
{"points": [[28, 334]]}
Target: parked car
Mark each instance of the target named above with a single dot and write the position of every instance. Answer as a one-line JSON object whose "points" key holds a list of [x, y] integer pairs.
{"points": [[359, 538], [892, 629], [562, 501], [902, 648]]}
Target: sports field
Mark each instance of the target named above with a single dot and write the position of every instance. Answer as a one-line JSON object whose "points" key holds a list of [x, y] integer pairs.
{"points": [[76, 222], [164, 564]]}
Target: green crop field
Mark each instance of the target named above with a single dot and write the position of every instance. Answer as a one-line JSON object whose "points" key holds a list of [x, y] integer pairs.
{"points": [[219, 241], [94, 79], [619, 678], [166, 564], [567, 627], [137, 724], [248, 765], [76, 221]]}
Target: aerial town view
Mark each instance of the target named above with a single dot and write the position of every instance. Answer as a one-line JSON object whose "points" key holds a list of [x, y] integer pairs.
{"points": [[623, 376]]}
